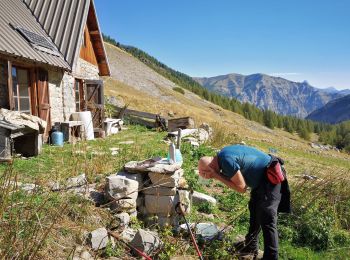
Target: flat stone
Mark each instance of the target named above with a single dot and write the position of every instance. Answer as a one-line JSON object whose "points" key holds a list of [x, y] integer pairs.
{"points": [[127, 142], [157, 165], [165, 168], [29, 187], [139, 177], [76, 181], [199, 198], [164, 205], [128, 235], [166, 180], [159, 191], [98, 239], [146, 241], [122, 205], [118, 187]]}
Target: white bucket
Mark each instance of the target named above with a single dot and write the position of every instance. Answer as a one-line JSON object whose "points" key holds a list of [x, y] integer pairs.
{"points": [[86, 118]]}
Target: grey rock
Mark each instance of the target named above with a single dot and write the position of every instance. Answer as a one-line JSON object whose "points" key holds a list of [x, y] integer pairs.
{"points": [[159, 191], [207, 128], [121, 187], [85, 255], [128, 235], [123, 219], [127, 142], [139, 177], [198, 198], [98, 239], [146, 241], [122, 205], [29, 187], [164, 205], [166, 180], [76, 181]]}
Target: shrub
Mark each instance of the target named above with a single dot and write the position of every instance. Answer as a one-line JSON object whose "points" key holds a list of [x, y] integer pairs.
{"points": [[180, 90]]}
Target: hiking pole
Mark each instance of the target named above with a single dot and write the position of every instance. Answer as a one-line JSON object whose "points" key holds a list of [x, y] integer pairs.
{"points": [[180, 210], [139, 252]]}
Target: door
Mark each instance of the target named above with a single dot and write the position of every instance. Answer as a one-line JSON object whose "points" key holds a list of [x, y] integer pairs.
{"points": [[95, 101], [43, 99]]}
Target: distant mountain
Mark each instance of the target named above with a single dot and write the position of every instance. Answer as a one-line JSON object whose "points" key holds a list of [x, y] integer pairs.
{"points": [[334, 90], [274, 93], [335, 111]]}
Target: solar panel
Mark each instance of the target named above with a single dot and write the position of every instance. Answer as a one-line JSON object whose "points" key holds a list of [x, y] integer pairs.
{"points": [[36, 39]]}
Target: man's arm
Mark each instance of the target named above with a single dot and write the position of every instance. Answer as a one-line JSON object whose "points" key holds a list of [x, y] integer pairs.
{"points": [[236, 182]]}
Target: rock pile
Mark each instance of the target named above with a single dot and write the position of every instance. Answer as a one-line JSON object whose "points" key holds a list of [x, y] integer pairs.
{"points": [[195, 136], [154, 186]]}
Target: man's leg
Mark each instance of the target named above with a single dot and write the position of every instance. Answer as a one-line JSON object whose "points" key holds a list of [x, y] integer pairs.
{"points": [[269, 220], [251, 239]]}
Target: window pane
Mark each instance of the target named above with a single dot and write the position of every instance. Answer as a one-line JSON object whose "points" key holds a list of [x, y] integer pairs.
{"points": [[24, 104], [23, 90], [22, 76]]}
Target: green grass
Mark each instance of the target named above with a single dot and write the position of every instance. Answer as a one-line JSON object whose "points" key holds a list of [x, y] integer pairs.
{"points": [[321, 210]]}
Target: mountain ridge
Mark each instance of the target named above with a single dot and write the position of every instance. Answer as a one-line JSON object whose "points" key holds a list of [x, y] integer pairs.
{"points": [[334, 112], [267, 92]]}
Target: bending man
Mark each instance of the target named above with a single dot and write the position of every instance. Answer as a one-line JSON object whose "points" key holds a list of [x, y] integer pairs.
{"points": [[240, 167]]}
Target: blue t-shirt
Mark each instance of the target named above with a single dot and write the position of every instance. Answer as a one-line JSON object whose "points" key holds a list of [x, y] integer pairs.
{"points": [[250, 161]]}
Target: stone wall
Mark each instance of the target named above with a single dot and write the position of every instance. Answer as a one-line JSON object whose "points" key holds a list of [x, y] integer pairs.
{"points": [[86, 70], [62, 89], [62, 96]]}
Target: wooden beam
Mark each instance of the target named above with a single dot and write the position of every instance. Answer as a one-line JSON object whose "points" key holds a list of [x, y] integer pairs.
{"points": [[9, 84], [96, 32]]}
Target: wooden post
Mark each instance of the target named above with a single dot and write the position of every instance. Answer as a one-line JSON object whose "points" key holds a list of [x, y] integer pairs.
{"points": [[9, 84], [179, 138]]}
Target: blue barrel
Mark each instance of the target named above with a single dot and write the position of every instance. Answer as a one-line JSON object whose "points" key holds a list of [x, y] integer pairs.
{"points": [[57, 138]]}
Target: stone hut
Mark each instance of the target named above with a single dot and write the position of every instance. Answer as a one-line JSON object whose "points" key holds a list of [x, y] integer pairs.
{"points": [[51, 59]]}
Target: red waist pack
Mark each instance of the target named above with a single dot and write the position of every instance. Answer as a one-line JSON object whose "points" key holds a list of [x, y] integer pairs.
{"points": [[274, 173]]}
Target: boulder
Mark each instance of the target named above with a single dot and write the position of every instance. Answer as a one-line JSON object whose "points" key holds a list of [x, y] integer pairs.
{"points": [[146, 241], [118, 187], [29, 187], [199, 198], [98, 239], [166, 180], [165, 168], [207, 128], [76, 181]]}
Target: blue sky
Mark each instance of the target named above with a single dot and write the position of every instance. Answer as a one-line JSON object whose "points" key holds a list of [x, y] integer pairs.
{"points": [[296, 39]]}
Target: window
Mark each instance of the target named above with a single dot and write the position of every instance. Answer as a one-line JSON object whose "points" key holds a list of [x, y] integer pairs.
{"points": [[20, 90], [78, 95]]}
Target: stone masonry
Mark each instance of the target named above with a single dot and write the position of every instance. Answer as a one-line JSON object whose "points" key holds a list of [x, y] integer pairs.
{"points": [[62, 89]]}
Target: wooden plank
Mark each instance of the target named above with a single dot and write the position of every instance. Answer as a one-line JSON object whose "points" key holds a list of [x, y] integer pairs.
{"points": [[183, 123], [131, 112], [140, 121], [9, 84]]}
